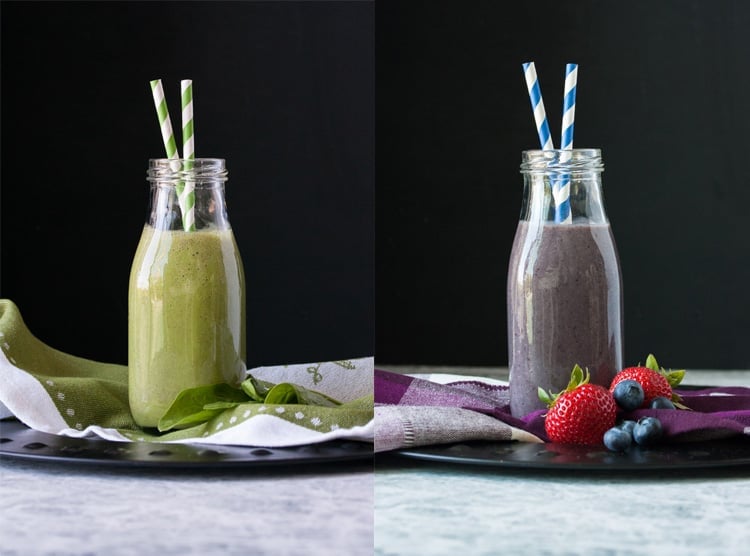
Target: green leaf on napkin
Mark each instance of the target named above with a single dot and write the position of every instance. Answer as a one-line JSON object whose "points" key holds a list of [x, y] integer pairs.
{"points": [[221, 405], [197, 405], [287, 393], [255, 388]]}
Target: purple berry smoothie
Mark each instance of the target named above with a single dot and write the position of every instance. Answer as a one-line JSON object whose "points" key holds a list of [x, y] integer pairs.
{"points": [[564, 307]]}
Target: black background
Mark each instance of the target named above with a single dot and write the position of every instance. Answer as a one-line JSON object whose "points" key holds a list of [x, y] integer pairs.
{"points": [[663, 90], [283, 90], [287, 93]]}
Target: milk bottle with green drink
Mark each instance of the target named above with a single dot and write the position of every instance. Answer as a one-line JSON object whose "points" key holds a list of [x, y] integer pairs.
{"points": [[186, 310]]}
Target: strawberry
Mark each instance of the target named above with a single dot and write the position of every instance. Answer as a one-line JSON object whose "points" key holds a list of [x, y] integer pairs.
{"points": [[656, 382], [581, 413]]}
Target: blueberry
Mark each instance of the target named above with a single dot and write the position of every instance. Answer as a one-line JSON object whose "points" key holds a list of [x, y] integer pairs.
{"points": [[628, 394], [662, 403], [627, 426], [647, 431], [617, 439]]}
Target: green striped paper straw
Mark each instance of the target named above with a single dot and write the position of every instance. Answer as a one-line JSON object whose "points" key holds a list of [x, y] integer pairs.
{"points": [[167, 134], [166, 124], [188, 153]]}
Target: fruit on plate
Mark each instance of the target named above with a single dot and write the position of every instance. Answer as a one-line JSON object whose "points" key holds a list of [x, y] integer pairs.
{"points": [[647, 431], [655, 381], [618, 439], [581, 413], [628, 394], [662, 403], [627, 426]]}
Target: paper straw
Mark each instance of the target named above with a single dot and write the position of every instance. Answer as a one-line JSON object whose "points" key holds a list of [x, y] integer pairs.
{"points": [[562, 191], [167, 135], [166, 124], [188, 145], [537, 105], [569, 106], [188, 154]]}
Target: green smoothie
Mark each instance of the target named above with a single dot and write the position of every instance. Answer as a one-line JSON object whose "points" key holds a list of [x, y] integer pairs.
{"points": [[186, 319]]}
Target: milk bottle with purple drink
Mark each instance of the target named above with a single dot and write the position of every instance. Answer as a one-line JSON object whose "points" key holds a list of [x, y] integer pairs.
{"points": [[564, 282]]}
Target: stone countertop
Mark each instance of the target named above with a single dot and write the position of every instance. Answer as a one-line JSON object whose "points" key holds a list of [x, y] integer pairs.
{"points": [[438, 508], [64, 509]]}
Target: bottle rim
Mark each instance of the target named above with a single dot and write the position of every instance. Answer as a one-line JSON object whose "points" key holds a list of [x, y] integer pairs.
{"points": [[559, 160], [198, 170]]}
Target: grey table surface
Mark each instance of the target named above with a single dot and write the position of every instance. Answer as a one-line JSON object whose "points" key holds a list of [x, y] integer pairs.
{"points": [[406, 507], [63, 509], [432, 508]]}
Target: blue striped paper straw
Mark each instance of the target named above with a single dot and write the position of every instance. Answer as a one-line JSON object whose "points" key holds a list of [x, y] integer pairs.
{"points": [[561, 192], [537, 105]]}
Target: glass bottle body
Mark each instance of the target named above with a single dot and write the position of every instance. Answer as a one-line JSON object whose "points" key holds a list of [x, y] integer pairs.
{"points": [[186, 300], [564, 296]]}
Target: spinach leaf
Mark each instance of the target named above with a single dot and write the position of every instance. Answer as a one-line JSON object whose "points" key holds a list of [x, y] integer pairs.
{"points": [[288, 393], [197, 405], [256, 388], [189, 407], [221, 405]]}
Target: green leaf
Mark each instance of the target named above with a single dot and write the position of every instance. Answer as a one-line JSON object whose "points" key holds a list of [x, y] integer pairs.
{"points": [[674, 377], [576, 376], [186, 419], [283, 393], [586, 378], [544, 397], [197, 405], [287, 393], [221, 405], [651, 363], [189, 407], [255, 388]]}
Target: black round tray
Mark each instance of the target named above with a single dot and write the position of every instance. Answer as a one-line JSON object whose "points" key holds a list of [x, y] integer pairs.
{"points": [[728, 452], [19, 441]]}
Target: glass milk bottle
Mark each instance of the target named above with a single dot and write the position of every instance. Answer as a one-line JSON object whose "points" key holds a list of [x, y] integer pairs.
{"points": [[186, 301], [564, 282]]}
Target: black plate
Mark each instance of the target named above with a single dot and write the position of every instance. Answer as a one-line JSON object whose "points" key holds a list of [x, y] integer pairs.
{"points": [[717, 453], [19, 441]]}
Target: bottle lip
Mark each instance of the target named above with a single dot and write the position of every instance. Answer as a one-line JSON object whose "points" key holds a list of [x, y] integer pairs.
{"points": [[558, 160], [199, 170], [202, 160]]}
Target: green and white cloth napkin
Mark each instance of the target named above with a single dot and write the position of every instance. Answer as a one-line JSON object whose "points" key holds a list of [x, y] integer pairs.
{"points": [[58, 393]]}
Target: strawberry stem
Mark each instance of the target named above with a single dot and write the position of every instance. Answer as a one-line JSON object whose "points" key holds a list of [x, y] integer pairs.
{"points": [[577, 378], [545, 397]]}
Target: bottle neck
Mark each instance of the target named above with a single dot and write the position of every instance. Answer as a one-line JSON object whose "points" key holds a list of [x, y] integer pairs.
{"points": [[563, 187], [187, 195]]}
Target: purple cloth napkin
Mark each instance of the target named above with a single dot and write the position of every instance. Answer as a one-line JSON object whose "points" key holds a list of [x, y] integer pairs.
{"points": [[715, 413], [413, 412]]}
